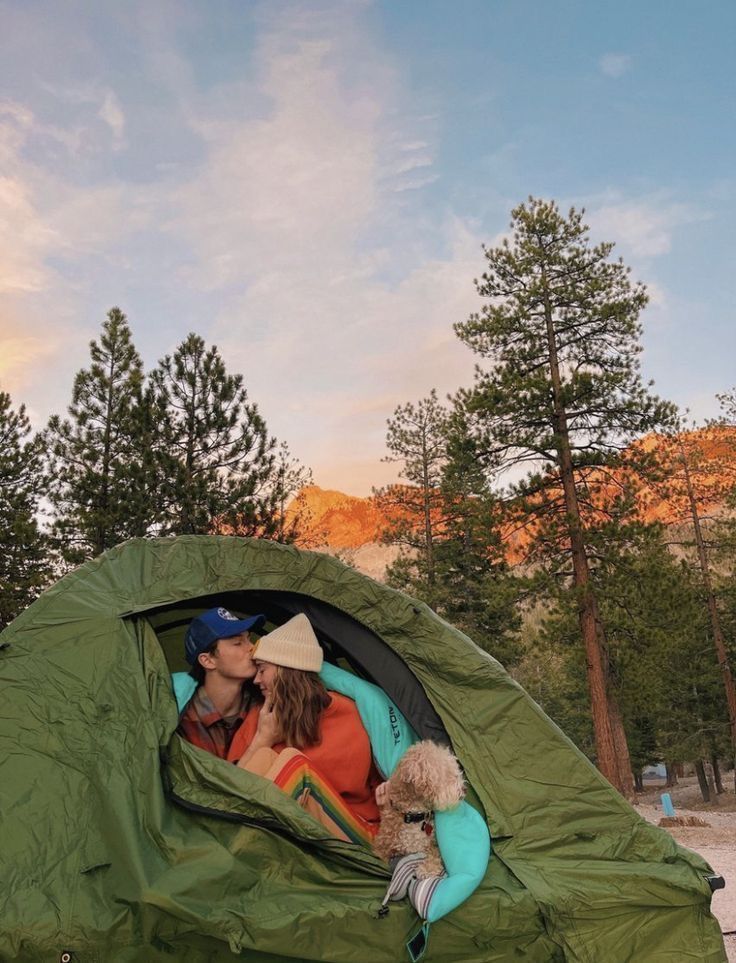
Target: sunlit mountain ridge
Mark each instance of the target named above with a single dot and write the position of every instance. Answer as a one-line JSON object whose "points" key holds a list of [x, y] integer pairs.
{"points": [[352, 526]]}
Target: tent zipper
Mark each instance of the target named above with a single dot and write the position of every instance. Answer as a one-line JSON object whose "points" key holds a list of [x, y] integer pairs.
{"points": [[336, 846]]}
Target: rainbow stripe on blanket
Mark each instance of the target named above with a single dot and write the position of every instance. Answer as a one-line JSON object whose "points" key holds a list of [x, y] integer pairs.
{"points": [[300, 779]]}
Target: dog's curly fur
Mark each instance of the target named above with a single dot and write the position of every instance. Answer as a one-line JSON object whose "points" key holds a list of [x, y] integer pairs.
{"points": [[427, 778]]}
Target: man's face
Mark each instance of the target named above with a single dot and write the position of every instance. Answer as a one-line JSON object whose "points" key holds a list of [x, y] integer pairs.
{"points": [[232, 659]]}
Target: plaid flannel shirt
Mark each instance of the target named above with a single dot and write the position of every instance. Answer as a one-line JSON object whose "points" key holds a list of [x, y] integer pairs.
{"points": [[203, 726]]}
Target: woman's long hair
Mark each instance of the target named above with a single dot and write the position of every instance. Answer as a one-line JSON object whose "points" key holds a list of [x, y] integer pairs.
{"points": [[299, 699]]}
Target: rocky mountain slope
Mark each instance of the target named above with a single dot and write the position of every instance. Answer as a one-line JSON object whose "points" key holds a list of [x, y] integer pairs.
{"points": [[351, 527]]}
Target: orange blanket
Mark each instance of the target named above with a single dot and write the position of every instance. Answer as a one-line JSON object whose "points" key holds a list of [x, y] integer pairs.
{"points": [[343, 754]]}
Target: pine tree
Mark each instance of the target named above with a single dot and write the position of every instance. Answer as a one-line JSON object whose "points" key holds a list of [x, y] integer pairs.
{"points": [[91, 454], [660, 668], [562, 395], [551, 670], [665, 680], [219, 461], [476, 589], [416, 440], [24, 551], [695, 484], [148, 467], [290, 514], [445, 519]]}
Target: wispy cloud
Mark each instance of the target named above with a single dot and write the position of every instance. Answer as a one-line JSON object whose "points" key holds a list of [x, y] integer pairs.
{"points": [[333, 294], [645, 226], [26, 235], [45, 221], [90, 103], [273, 175], [335, 291], [412, 163], [112, 113], [25, 239], [415, 183], [20, 354], [615, 64]]}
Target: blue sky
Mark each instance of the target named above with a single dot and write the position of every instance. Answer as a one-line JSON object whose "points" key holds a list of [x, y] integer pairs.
{"points": [[308, 185]]}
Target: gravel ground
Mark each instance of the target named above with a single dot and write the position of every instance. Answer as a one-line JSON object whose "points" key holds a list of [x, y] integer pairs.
{"points": [[715, 843]]}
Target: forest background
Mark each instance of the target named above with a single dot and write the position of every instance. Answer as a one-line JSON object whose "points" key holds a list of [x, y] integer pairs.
{"points": [[522, 514]]}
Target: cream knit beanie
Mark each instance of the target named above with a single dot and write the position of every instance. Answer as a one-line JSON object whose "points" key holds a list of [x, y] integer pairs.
{"points": [[292, 644]]}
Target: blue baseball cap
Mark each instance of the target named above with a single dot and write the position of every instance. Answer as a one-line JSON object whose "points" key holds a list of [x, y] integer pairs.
{"points": [[215, 624]]}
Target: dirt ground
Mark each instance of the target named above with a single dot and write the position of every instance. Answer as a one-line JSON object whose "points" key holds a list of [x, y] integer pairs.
{"points": [[715, 843]]}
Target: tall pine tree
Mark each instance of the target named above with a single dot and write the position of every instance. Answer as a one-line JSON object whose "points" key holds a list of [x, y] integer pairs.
{"points": [[95, 499], [219, 461], [24, 559], [562, 396]]}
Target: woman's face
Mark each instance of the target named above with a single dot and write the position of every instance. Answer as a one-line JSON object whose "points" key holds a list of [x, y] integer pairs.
{"points": [[265, 676]]}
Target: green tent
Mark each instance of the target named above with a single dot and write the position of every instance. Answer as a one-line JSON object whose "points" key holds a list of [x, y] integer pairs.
{"points": [[122, 843]]}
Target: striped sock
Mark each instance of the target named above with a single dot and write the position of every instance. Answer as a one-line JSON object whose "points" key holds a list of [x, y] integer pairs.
{"points": [[421, 892], [404, 873]]}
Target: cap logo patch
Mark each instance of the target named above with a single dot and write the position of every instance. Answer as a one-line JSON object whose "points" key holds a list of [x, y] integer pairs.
{"points": [[224, 614]]}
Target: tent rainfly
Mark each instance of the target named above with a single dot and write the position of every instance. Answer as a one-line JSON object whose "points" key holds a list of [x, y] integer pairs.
{"points": [[121, 842]]}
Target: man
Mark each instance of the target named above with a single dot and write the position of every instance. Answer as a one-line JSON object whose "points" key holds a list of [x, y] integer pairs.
{"points": [[219, 648]]}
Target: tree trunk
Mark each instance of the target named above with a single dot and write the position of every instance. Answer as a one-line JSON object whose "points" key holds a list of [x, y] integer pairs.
{"points": [[623, 759], [671, 768], [717, 773], [715, 621], [102, 535], [639, 781], [587, 606], [702, 780], [597, 681], [428, 535], [708, 769]]}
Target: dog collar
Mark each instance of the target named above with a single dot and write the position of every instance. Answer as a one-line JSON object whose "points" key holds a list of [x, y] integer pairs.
{"points": [[417, 817]]}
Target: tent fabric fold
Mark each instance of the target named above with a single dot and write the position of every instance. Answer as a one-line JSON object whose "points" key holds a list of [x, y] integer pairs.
{"points": [[122, 842]]}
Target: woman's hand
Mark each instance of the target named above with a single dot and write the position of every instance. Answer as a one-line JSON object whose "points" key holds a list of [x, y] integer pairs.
{"points": [[266, 735], [267, 730], [383, 797]]}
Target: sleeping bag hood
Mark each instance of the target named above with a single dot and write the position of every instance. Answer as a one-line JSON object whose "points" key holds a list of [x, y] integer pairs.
{"points": [[122, 842]]}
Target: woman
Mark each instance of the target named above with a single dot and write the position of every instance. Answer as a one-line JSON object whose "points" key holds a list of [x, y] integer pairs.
{"points": [[310, 742]]}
